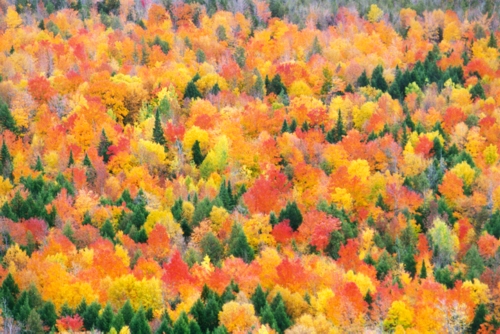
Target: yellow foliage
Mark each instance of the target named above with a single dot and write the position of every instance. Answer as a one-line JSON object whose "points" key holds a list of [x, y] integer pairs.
{"points": [[342, 198], [322, 300], [300, 87], [366, 243], [218, 216], [12, 18], [207, 82], [465, 172], [336, 156], [400, 314], [152, 154], [16, 256], [195, 134], [359, 168], [5, 188], [258, 231], [237, 317], [363, 114], [362, 281], [164, 218], [490, 154], [479, 291], [375, 13], [123, 255], [187, 210], [147, 293]]}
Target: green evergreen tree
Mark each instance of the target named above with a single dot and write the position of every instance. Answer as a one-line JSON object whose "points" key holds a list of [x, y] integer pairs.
{"points": [[423, 271], [41, 25], [127, 312], [211, 246], [39, 165], [273, 220], [477, 91], [194, 328], [6, 166], [293, 126], [238, 244], [164, 328], [105, 319], [479, 318], [284, 127], [192, 91], [474, 262], [283, 321], [71, 160], [34, 324], [198, 157], [24, 311], [363, 80], [118, 322], [103, 147], [10, 291], [107, 230], [267, 317], [257, 90], [7, 121], [158, 136], [139, 323], [181, 326], [91, 315], [293, 214], [339, 128], [48, 314], [258, 299], [492, 42], [378, 80]]}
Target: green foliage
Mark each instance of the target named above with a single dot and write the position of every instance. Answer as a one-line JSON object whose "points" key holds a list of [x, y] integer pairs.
{"points": [[474, 262], [238, 244], [477, 91], [127, 312], [211, 246], [7, 122], [91, 315], [479, 318], [102, 149], [139, 323], [158, 135], [258, 299], [198, 157], [192, 91], [378, 80], [293, 214], [105, 320], [363, 80]]}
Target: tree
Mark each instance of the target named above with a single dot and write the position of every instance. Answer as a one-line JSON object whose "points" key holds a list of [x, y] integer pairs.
{"points": [[293, 214], [6, 166], [238, 244], [492, 42], [10, 291], [477, 91], [363, 80], [91, 315], [339, 128], [164, 328], [139, 323], [211, 246], [192, 91], [378, 80], [107, 230], [158, 135], [474, 262], [181, 326], [267, 317], [48, 314], [258, 299], [105, 319], [282, 319], [34, 323], [423, 271], [198, 157], [7, 122], [479, 318], [103, 148]]}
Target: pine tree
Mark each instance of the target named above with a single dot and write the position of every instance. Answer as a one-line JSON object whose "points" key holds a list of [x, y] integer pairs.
{"points": [[378, 80], [293, 126], [284, 127], [339, 128], [164, 328], [474, 262], [139, 323], [293, 214], [258, 299], [71, 160], [48, 314], [107, 230], [181, 326], [34, 324], [282, 319], [423, 271], [479, 318], [118, 322], [39, 165], [198, 157], [6, 163], [273, 220], [330, 136], [267, 317], [192, 91], [211, 246], [105, 319], [492, 42], [103, 148], [238, 244], [477, 91], [158, 136], [10, 291], [363, 80], [7, 122], [91, 315]]}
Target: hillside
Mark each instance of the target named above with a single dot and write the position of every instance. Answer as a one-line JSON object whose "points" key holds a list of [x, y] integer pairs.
{"points": [[249, 167]]}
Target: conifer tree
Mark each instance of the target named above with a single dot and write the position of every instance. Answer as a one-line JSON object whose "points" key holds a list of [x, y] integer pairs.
{"points": [[258, 299], [6, 167], [238, 244], [158, 135], [7, 121], [423, 271], [104, 145], [105, 319], [139, 323], [192, 91], [363, 80], [378, 80], [198, 157]]}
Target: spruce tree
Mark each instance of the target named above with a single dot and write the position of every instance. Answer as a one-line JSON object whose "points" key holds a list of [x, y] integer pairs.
{"points": [[283, 321], [71, 160], [48, 314], [477, 91], [118, 322], [164, 328], [39, 165], [104, 145], [192, 91], [181, 326], [10, 291], [238, 244], [339, 128], [158, 136], [211, 246], [492, 42], [378, 80], [139, 323], [363, 80], [474, 262], [7, 121], [258, 299], [293, 126], [6, 163], [198, 157], [479, 318], [267, 317], [423, 271], [105, 319], [284, 127], [34, 324], [293, 214]]}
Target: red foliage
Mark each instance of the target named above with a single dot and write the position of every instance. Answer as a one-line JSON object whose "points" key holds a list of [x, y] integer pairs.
{"points": [[40, 89]]}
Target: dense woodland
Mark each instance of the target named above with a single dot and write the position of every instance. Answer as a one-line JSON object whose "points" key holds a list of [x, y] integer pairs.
{"points": [[235, 167]]}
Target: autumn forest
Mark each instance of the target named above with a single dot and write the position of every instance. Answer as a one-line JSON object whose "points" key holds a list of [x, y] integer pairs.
{"points": [[249, 166]]}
